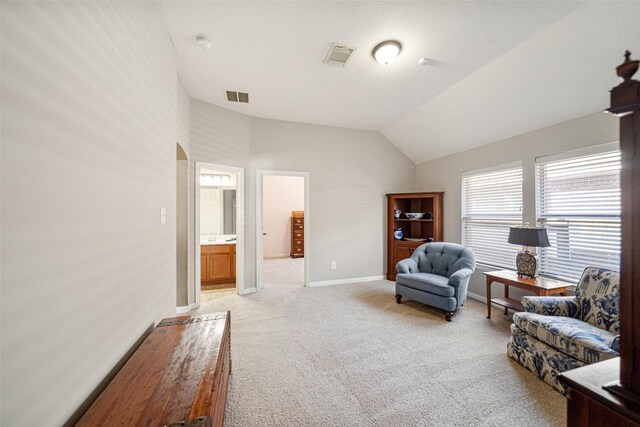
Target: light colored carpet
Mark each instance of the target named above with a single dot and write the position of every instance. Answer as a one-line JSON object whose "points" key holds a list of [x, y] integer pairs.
{"points": [[283, 272], [348, 355]]}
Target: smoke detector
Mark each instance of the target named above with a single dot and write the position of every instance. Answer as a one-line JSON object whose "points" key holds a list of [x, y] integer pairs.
{"points": [[339, 54], [203, 42]]}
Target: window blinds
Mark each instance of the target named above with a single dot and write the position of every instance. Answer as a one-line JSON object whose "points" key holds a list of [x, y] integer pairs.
{"points": [[578, 201], [491, 203]]}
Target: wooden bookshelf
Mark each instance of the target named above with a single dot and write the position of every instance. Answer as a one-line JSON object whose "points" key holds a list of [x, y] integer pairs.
{"points": [[411, 228]]}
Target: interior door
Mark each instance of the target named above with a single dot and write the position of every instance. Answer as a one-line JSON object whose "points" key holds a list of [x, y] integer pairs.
{"points": [[211, 211]]}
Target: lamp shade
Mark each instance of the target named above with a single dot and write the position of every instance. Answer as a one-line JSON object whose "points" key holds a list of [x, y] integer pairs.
{"points": [[526, 236], [386, 52]]}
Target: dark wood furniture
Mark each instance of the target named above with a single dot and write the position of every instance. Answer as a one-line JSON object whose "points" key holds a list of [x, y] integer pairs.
{"points": [[218, 263], [590, 404], [180, 373], [540, 286], [601, 394], [297, 234], [411, 228]]}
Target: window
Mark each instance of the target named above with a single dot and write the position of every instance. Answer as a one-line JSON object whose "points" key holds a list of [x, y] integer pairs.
{"points": [[578, 201], [491, 203]]}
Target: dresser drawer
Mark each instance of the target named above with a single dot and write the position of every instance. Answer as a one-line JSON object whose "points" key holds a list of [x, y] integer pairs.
{"points": [[297, 234]]}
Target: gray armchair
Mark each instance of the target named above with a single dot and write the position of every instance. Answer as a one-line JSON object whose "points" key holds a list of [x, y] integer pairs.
{"points": [[437, 274]]}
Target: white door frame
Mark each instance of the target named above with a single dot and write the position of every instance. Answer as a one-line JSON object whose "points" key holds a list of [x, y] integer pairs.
{"points": [[239, 225], [259, 211]]}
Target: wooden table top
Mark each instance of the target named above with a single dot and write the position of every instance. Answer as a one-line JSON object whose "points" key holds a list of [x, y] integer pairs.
{"points": [[540, 282]]}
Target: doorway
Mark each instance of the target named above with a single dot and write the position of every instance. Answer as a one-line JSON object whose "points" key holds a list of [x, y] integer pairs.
{"points": [[282, 229], [182, 229], [219, 230]]}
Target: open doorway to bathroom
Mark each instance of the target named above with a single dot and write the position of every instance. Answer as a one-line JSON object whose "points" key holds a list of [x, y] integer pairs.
{"points": [[219, 229], [282, 235]]}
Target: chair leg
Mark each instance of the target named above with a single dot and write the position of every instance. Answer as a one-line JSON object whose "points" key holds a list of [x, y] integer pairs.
{"points": [[447, 315], [399, 299]]}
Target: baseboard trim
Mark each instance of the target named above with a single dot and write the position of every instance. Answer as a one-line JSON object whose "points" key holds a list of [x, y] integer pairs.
{"points": [[477, 297], [249, 291], [345, 281], [185, 308]]}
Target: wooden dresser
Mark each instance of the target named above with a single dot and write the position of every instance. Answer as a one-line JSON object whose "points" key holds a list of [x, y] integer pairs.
{"points": [[178, 376], [297, 234]]}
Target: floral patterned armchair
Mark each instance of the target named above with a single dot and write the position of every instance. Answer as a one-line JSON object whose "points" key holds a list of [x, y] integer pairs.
{"points": [[557, 334]]}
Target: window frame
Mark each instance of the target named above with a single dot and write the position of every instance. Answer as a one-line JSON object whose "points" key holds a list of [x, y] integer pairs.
{"points": [[505, 248], [543, 220]]}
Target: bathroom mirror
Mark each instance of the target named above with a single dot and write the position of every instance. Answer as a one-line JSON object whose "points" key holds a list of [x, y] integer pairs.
{"points": [[217, 204]]}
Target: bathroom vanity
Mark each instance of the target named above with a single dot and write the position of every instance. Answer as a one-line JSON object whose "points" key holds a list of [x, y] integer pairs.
{"points": [[218, 262]]}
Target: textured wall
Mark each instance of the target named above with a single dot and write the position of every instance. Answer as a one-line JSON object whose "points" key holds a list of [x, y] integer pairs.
{"points": [[445, 174], [184, 207], [183, 269], [280, 196], [350, 173], [88, 159], [221, 137]]}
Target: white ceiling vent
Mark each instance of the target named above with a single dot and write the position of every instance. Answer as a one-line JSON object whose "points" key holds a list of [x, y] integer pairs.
{"points": [[339, 54]]}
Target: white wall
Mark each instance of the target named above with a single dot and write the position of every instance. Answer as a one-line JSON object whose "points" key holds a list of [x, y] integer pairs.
{"points": [[350, 173], [221, 137], [88, 159], [280, 196], [445, 174], [184, 290], [183, 269]]}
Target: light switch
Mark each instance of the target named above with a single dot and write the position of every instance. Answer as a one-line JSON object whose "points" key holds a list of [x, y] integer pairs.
{"points": [[163, 215]]}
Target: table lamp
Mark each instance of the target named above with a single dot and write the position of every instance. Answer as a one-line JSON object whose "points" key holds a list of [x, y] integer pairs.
{"points": [[526, 260]]}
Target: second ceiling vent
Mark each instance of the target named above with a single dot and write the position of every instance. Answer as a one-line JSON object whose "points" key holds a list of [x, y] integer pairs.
{"points": [[339, 54], [233, 96]]}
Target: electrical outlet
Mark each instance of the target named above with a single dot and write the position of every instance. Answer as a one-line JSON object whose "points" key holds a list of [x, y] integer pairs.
{"points": [[333, 265], [163, 215]]}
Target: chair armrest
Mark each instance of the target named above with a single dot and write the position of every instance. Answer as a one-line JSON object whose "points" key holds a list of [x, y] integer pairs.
{"points": [[552, 306], [615, 344], [408, 265], [459, 276]]}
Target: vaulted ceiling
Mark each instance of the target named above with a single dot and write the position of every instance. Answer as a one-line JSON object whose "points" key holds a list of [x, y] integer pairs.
{"points": [[496, 69]]}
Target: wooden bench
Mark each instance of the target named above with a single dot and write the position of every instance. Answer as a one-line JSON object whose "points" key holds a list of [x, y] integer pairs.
{"points": [[177, 377]]}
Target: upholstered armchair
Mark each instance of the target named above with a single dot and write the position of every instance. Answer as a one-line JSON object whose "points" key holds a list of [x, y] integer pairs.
{"points": [[557, 334], [437, 274]]}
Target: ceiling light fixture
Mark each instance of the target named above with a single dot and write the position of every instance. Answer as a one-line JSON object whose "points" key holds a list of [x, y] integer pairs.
{"points": [[203, 42], [386, 52]]}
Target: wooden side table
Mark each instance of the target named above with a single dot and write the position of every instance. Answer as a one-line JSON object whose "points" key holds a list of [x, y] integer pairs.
{"points": [[539, 286]]}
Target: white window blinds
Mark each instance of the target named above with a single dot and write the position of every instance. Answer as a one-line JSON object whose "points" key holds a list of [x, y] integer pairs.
{"points": [[578, 201], [491, 203]]}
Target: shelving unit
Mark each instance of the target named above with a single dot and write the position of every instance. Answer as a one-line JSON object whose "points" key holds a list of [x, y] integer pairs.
{"points": [[411, 228]]}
